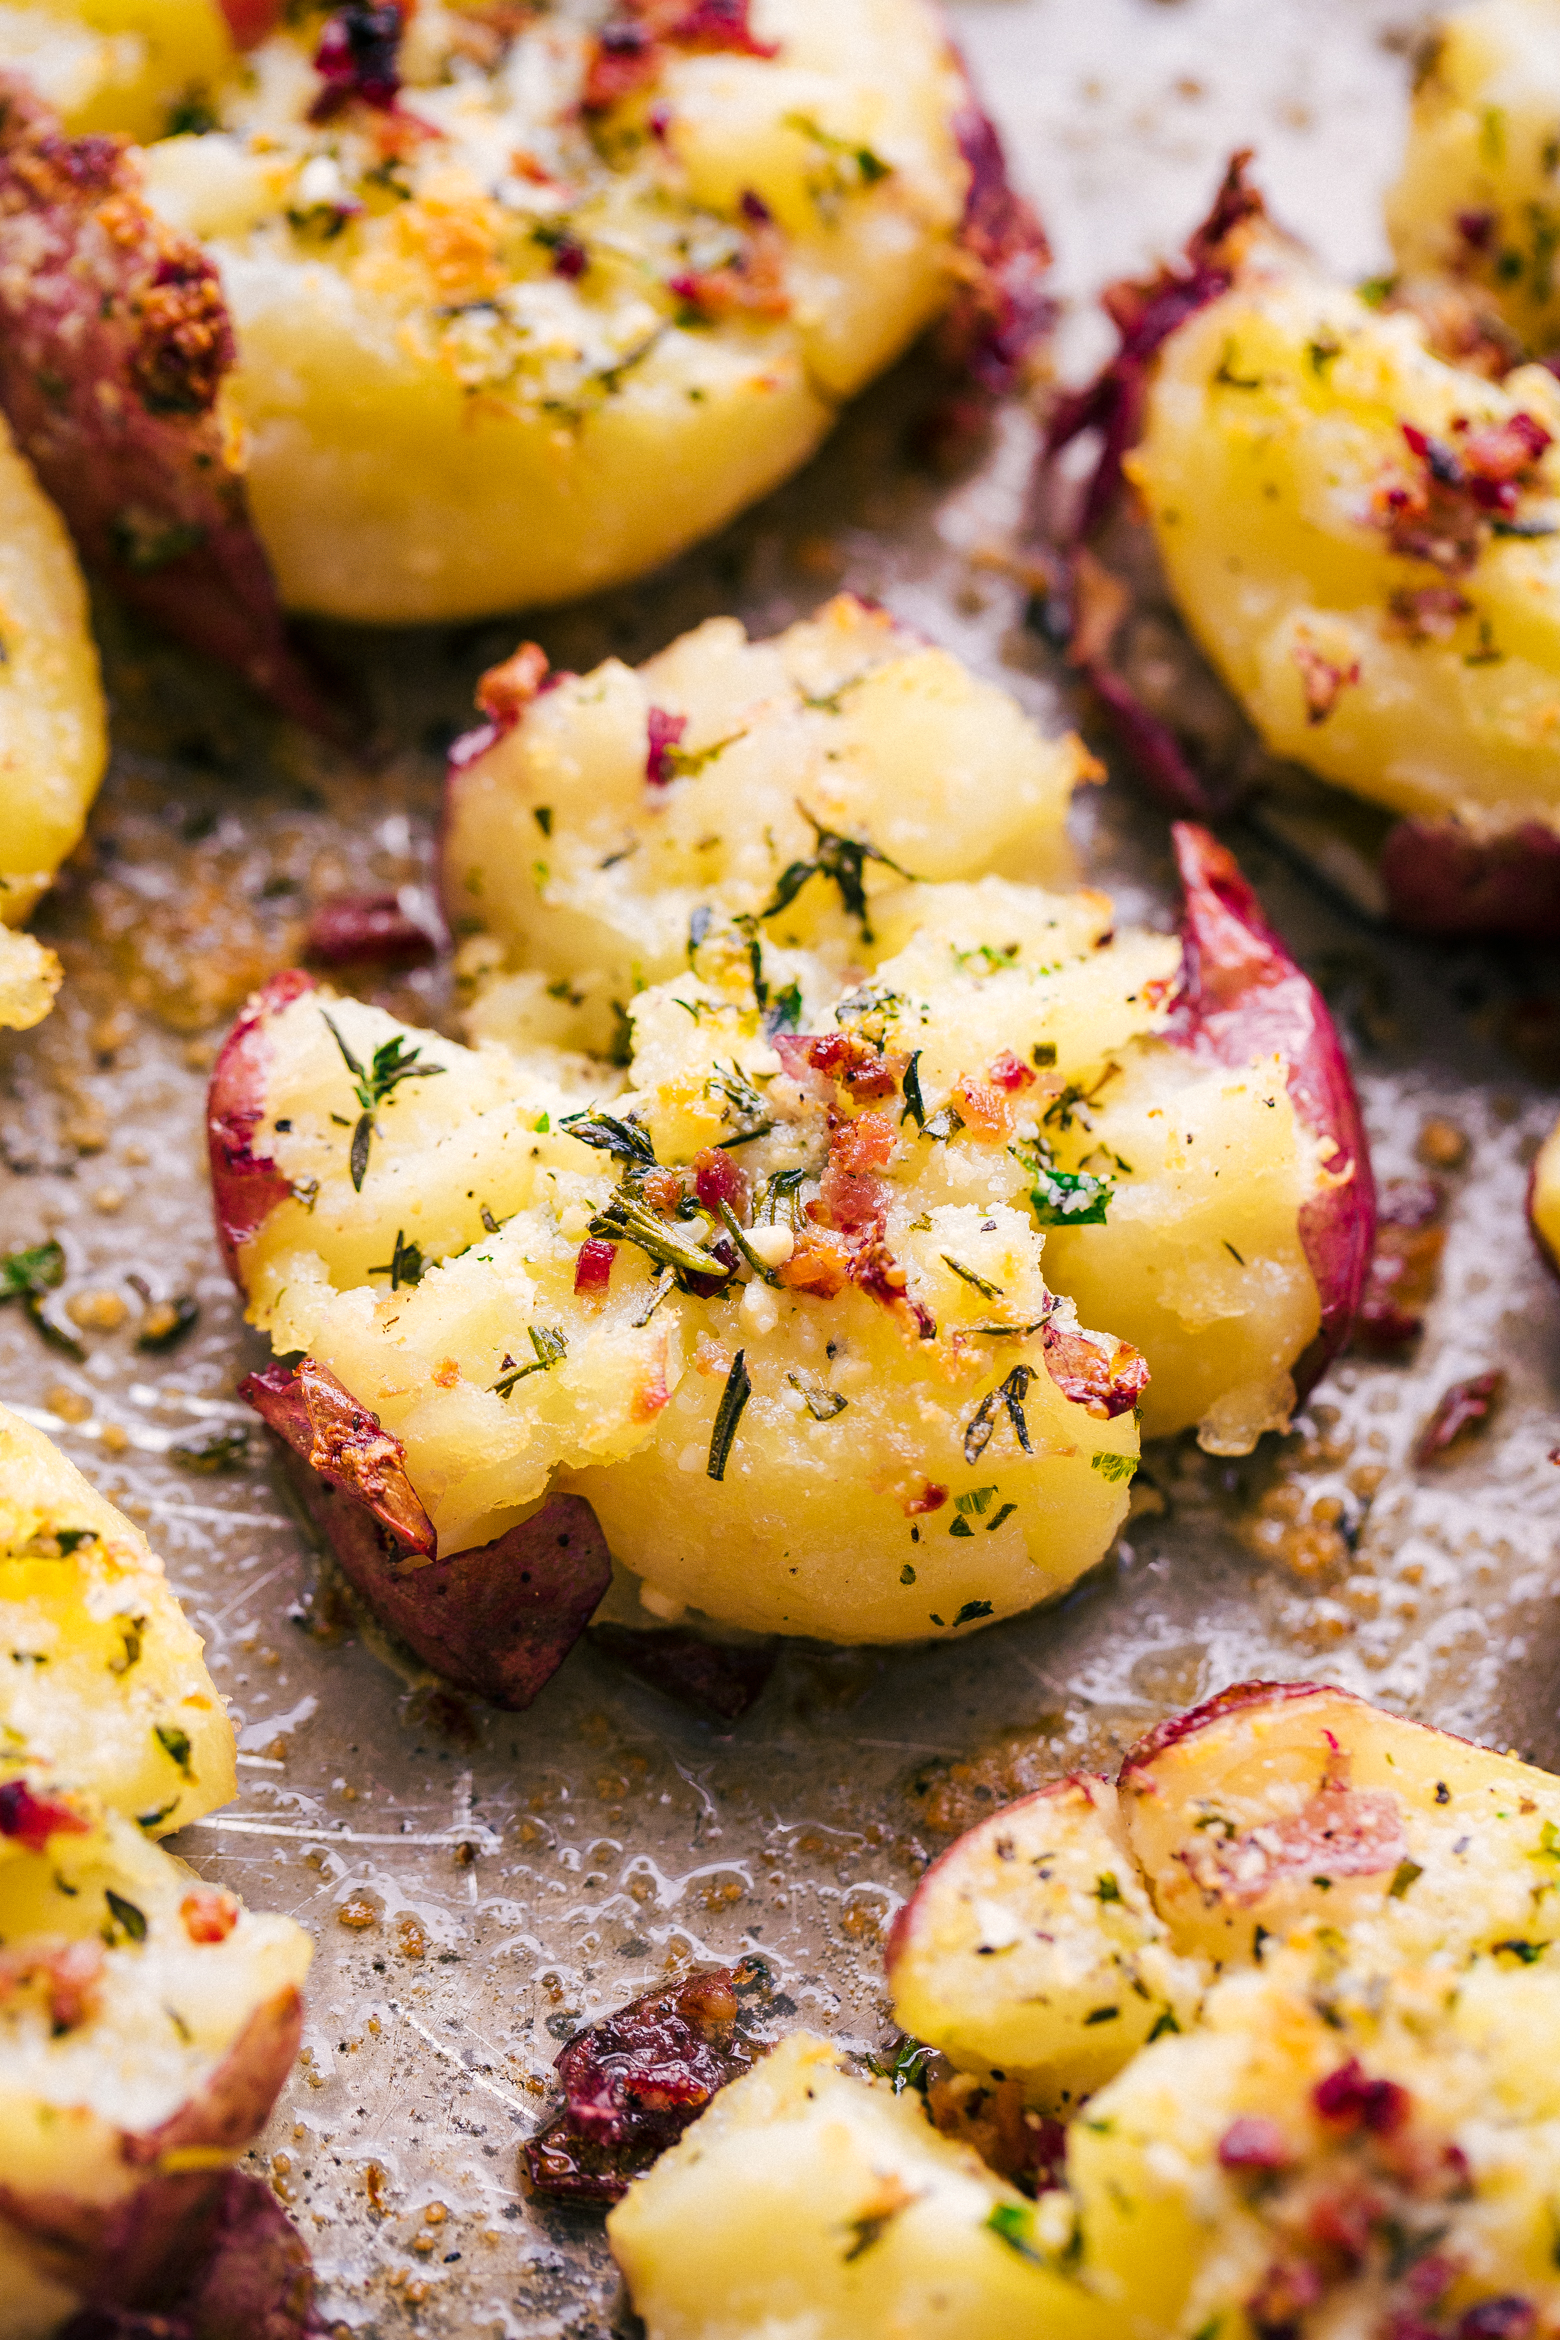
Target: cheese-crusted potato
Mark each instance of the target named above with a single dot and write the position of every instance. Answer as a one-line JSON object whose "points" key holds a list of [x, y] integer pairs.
{"points": [[589, 827], [137, 66], [53, 725], [525, 304], [105, 1684], [1343, 2117], [1476, 199], [1031, 1949], [146, 2024], [810, 2200], [1364, 539]]}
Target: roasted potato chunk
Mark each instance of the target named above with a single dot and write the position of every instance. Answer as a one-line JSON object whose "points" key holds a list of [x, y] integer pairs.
{"points": [[1476, 198], [1361, 536], [53, 726], [1544, 1199], [524, 311], [105, 1683], [598, 820], [138, 66], [146, 2025], [808, 2199]]}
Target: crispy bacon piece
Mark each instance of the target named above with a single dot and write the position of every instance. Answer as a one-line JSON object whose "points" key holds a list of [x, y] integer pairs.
{"points": [[1253, 2142], [70, 1972], [1463, 1410], [114, 340], [320, 1419], [209, 1916], [663, 733], [850, 1194], [718, 1179], [505, 691], [30, 1820], [250, 20], [718, 1678], [1351, 2100], [388, 930], [1243, 998], [1404, 1267], [1441, 508], [593, 1267], [635, 2081], [1023, 2146], [753, 280], [496, 1621], [1323, 680], [626, 54], [1107, 1383], [816, 1265]]}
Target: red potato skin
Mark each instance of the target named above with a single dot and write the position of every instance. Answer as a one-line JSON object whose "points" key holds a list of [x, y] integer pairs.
{"points": [[250, 20], [245, 1188], [248, 2273], [317, 1418], [114, 342], [906, 1918], [138, 2249], [1441, 880], [1244, 996]]}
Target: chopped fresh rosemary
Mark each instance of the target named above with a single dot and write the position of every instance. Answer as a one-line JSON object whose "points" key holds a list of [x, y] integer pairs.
{"points": [[728, 1414], [550, 1345], [405, 1264], [753, 1116], [840, 860], [784, 1012], [784, 1187], [126, 1916], [822, 1404], [915, 1103], [388, 1067], [1011, 1394], [760, 1267], [175, 1744], [944, 1125], [628, 1219], [664, 1283], [982, 1284], [626, 1141]]}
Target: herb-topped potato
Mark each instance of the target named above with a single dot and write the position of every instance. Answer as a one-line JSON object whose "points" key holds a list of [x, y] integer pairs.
{"points": [[1308, 1939], [53, 726], [143, 67], [772, 1300], [598, 824], [1476, 202], [525, 302]]}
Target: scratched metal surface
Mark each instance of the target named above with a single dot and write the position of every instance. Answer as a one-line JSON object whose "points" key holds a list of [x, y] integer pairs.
{"points": [[607, 1834]]}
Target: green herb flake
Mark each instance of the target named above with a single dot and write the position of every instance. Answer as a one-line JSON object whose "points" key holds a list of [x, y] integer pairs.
{"points": [[839, 860], [728, 1414], [971, 1610], [130, 1630], [1013, 2223], [1101, 2015], [542, 814], [1402, 1877], [405, 1264], [1008, 1394], [626, 1140], [549, 1346], [175, 1744], [1106, 1888], [212, 1450], [982, 1284], [130, 1921], [1113, 1466]]}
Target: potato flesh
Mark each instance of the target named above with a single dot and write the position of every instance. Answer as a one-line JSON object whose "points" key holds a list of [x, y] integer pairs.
{"points": [[1544, 1201], [53, 727], [105, 1682], [1476, 197], [29, 978], [876, 735], [807, 2204], [1032, 1948], [124, 65], [1257, 467], [442, 424]]}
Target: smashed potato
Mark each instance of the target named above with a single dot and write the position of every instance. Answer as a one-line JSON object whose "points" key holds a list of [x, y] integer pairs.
{"points": [[524, 305], [597, 822], [143, 67], [1544, 1199], [1476, 202], [107, 1685], [1317, 1935], [53, 725], [1363, 538]]}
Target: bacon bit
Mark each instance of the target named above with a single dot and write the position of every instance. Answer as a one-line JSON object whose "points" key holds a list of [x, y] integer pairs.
{"points": [[1322, 679], [850, 1194], [593, 1268], [1341, 1832], [1282, 2298], [1404, 1267], [718, 1179], [929, 1497], [664, 732], [1465, 1408], [1108, 1386], [626, 54], [663, 1190], [315, 1414], [208, 1916], [351, 929], [1352, 2101], [983, 1107], [1427, 613], [506, 690], [1008, 1073], [634, 2081], [815, 1266], [861, 1068], [114, 341], [1442, 512], [358, 58], [569, 258], [1253, 2142], [250, 20], [30, 1820], [71, 1973], [1341, 2224], [752, 281]]}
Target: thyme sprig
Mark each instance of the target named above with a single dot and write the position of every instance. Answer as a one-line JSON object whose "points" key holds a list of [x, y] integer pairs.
{"points": [[839, 859], [391, 1063], [1011, 1394], [626, 1140], [982, 1284], [405, 1264], [550, 1346]]}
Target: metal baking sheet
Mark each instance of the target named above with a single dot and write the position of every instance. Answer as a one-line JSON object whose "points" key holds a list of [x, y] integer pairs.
{"points": [[518, 1874]]}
